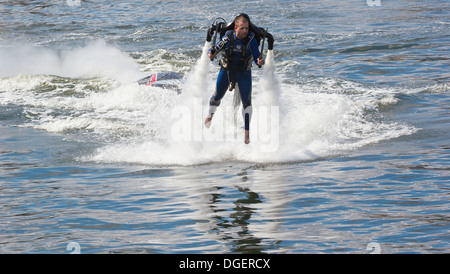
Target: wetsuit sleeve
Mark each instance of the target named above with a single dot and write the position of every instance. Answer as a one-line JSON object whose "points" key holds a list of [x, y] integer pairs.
{"points": [[223, 42], [255, 50]]}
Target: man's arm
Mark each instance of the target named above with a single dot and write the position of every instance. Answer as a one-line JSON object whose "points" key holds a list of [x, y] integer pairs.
{"points": [[256, 53], [219, 46]]}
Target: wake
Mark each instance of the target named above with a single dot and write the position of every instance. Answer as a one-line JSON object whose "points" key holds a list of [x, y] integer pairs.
{"points": [[289, 123]]}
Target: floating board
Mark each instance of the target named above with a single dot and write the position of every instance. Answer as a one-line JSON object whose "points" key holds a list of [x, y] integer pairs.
{"points": [[167, 80]]}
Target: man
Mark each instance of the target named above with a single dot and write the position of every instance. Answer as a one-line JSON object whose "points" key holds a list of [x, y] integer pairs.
{"points": [[239, 50]]}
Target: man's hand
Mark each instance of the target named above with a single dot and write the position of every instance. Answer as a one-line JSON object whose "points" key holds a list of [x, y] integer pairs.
{"points": [[211, 55], [261, 62]]}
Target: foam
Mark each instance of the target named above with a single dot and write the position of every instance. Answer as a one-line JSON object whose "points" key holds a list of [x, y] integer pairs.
{"points": [[96, 59], [316, 118], [312, 122]]}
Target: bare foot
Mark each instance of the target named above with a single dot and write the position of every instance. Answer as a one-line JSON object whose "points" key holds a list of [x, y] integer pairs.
{"points": [[208, 120], [247, 137]]}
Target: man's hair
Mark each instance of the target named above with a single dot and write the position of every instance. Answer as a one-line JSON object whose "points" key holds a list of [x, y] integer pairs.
{"points": [[240, 18]]}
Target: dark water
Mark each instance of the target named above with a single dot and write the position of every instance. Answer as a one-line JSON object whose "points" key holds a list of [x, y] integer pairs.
{"points": [[359, 154]]}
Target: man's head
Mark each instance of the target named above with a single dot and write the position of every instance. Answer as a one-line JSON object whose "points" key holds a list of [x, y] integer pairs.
{"points": [[241, 25]]}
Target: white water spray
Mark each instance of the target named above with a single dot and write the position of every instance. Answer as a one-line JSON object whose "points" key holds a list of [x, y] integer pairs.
{"points": [[95, 59], [269, 82], [289, 123], [197, 82]]}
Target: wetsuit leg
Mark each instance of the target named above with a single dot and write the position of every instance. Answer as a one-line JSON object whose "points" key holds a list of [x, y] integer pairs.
{"points": [[244, 80], [221, 88], [245, 88]]}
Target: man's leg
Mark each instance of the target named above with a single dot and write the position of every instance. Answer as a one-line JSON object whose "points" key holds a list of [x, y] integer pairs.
{"points": [[245, 89], [221, 88], [247, 114]]}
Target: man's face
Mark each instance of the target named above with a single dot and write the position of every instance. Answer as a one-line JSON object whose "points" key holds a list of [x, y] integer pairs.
{"points": [[241, 29]]}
